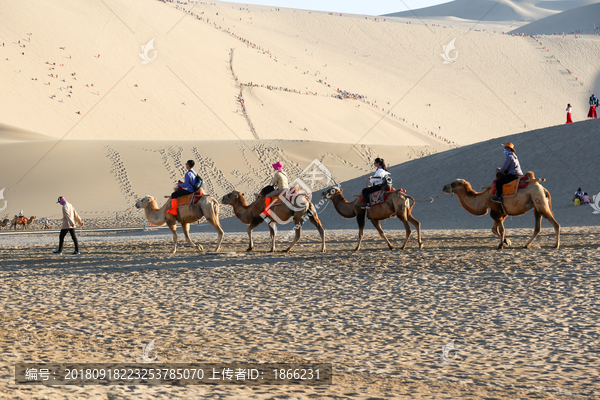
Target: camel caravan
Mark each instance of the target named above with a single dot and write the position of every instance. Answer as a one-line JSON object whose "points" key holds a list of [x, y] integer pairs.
{"points": [[512, 193], [18, 221]]}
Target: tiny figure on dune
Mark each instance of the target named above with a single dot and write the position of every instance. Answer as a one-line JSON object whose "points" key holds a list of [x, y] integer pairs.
{"points": [[569, 118], [593, 105]]}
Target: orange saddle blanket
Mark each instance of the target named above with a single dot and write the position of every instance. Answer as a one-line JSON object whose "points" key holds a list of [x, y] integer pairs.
{"points": [[510, 189], [187, 199]]}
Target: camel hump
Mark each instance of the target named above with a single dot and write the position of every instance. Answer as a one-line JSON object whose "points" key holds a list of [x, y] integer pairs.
{"points": [[530, 175]]}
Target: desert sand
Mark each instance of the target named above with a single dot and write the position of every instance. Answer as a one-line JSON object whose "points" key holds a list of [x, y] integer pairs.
{"points": [[524, 322], [103, 102]]}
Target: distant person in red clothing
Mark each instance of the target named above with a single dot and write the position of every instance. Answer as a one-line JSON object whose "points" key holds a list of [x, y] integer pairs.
{"points": [[593, 104], [569, 119]]}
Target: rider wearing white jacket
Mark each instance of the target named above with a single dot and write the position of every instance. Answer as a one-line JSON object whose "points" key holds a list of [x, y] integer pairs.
{"points": [[378, 181]]}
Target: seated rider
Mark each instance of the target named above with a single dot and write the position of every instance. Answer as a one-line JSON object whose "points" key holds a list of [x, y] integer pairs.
{"points": [[378, 181], [278, 184], [187, 187], [279, 181], [511, 170]]}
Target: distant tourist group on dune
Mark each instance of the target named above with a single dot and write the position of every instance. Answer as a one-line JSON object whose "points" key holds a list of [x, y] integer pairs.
{"points": [[580, 197], [592, 113]]}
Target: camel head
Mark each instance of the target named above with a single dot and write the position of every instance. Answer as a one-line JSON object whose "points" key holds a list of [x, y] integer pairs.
{"points": [[456, 186], [145, 202], [331, 193], [233, 198]]}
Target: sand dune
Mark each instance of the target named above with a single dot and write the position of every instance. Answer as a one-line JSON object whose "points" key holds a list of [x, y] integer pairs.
{"points": [[489, 10], [191, 92], [584, 20], [12, 134]]}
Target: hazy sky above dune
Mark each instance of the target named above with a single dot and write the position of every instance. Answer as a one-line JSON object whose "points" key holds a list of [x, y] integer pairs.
{"points": [[374, 7]]}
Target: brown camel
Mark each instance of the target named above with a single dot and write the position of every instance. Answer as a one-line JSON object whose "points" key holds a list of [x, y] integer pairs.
{"points": [[5, 222], [206, 207], [251, 215], [18, 221], [397, 203], [533, 196]]}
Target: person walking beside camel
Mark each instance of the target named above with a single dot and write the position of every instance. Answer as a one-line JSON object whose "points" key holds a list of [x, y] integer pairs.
{"points": [[70, 216]]}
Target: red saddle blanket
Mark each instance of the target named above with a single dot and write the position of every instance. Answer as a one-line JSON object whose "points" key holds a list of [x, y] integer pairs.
{"points": [[380, 196], [522, 184]]}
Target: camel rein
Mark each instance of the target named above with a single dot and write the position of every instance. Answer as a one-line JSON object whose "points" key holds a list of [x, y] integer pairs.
{"points": [[431, 199]]}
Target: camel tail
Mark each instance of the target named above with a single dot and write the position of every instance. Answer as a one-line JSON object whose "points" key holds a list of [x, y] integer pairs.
{"points": [[215, 206], [413, 202], [549, 198], [313, 212]]}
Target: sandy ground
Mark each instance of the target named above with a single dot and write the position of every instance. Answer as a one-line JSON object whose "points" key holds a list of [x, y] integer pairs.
{"points": [[524, 321]]}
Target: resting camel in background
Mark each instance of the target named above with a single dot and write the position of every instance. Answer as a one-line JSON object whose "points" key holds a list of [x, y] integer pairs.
{"points": [[397, 204], [18, 221], [251, 215], [533, 196], [206, 207]]}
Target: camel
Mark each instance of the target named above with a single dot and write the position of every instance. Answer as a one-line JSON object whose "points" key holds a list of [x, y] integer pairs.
{"points": [[533, 196], [251, 215], [5, 222], [206, 207], [397, 203], [17, 221]]}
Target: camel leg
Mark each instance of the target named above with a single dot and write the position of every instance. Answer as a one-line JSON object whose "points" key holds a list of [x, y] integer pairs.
{"points": [[500, 223], [538, 227], [255, 222], [377, 224], [298, 228], [186, 232], [555, 224], [417, 226], [214, 221], [173, 227], [272, 232], [360, 218], [314, 219]]}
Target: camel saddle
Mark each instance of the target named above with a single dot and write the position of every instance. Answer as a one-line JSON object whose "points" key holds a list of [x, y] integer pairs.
{"points": [[510, 189], [189, 199], [380, 196]]}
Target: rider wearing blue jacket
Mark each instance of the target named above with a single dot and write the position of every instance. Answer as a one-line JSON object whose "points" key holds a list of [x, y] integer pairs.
{"points": [[511, 170]]}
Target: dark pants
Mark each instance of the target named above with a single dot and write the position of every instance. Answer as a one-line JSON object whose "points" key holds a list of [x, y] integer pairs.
{"points": [[63, 233], [179, 193], [504, 180], [367, 191]]}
